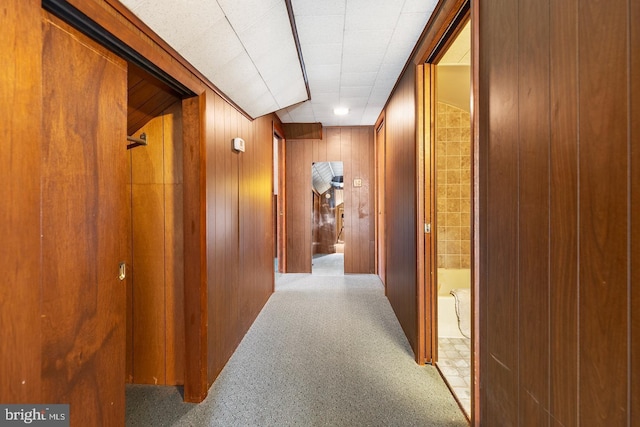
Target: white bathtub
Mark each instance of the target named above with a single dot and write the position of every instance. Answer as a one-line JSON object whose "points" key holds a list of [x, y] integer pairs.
{"points": [[447, 319]]}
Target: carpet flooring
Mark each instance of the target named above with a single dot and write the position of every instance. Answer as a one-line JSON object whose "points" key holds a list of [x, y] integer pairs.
{"points": [[324, 351]]}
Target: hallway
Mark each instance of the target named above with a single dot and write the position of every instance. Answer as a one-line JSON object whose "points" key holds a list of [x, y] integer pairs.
{"points": [[325, 350]]}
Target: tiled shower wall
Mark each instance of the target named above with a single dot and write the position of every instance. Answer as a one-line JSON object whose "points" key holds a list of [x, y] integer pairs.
{"points": [[453, 194]]}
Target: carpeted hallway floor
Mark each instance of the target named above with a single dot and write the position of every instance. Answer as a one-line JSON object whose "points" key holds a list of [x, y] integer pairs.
{"points": [[324, 351]]}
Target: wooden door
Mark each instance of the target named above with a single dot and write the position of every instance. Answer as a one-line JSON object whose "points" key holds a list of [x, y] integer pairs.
{"points": [[83, 226]]}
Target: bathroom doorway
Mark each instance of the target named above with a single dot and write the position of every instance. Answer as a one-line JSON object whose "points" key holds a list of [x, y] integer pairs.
{"points": [[452, 153], [327, 227]]}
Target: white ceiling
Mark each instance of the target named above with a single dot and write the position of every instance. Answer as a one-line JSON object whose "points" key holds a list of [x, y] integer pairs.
{"points": [[353, 51]]}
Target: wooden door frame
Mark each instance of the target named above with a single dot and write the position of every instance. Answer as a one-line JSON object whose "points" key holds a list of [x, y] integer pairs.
{"points": [[281, 200], [102, 23], [380, 206], [444, 25]]}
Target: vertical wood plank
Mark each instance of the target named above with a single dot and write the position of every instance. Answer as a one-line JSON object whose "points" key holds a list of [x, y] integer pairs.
{"points": [[533, 203], [401, 204], [83, 225], [563, 235], [20, 167], [634, 144], [603, 208], [501, 45], [174, 244], [148, 256], [195, 249]]}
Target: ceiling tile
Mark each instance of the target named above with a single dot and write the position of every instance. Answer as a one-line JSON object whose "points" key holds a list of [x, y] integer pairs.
{"points": [[214, 48], [316, 8], [244, 14], [195, 16], [318, 55], [426, 6], [320, 29]]}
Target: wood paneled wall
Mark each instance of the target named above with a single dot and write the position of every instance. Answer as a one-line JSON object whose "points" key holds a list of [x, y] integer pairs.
{"points": [[63, 226], [240, 233], [558, 208], [20, 166], [156, 348], [401, 205], [354, 147]]}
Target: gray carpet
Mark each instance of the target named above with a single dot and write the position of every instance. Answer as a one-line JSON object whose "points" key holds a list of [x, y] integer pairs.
{"points": [[324, 351]]}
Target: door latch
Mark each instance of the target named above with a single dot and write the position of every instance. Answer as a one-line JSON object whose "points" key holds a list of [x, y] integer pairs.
{"points": [[427, 228], [122, 271]]}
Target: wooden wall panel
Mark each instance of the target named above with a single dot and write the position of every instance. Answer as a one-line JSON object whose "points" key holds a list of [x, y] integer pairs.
{"points": [[634, 262], [557, 203], [298, 205], [147, 270], [400, 123], [83, 225], [563, 252], [20, 166], [354, 147], [603, 195], [157, 312], [533, 210], [239, 226], [174, 244]]}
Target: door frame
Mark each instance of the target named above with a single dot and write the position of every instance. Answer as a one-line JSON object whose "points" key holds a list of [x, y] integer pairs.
{"points": [[380, 145], [281, 200], [446, 22]]}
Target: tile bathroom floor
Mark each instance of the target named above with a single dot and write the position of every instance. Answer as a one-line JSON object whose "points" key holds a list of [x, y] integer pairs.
{"points": [[454, 361]]}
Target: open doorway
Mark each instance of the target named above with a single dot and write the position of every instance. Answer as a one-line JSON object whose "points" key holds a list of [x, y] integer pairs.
{"points": [[328, 237], [155, 346], [453, 184]]}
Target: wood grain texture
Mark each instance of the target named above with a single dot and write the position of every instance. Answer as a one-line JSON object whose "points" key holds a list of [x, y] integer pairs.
{"points": [[501, 290], [20, 167], [157, 322], [239, 226], [400, 123], [147, 98], [603, 209], [533, 210], [563, 286], [147, 275], [174, 245], [195, 251], [354, 147], [634, 261], [573, 144], [83, 188], [302, 130]]}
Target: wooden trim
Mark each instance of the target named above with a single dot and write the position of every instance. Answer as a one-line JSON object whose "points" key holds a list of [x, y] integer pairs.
{"points": [[439, 29], [303, 130], [478, 173], [421, 282], [278, 130], [379, 121], [195, 249]]}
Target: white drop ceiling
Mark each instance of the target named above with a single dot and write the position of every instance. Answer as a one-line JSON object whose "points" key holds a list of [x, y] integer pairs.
{"points": [[353, 51]]}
